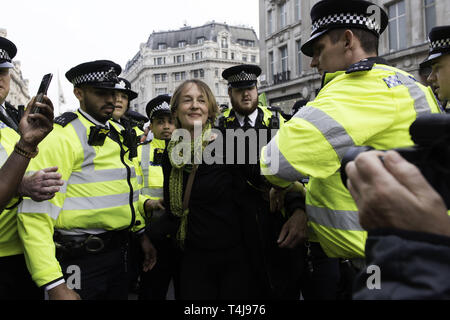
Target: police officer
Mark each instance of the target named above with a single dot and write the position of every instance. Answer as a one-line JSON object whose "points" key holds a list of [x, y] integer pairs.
{"points": [[88, 223], [363, 101], [16, 151], [270, 237], [154, 284], [8, 114], [439, 61]]}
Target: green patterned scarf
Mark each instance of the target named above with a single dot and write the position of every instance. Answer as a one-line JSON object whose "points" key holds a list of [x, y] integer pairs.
{"points": [[196, 147]]}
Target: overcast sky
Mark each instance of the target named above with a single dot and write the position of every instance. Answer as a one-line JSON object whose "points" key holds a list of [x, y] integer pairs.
{"points": [[57, 35]]}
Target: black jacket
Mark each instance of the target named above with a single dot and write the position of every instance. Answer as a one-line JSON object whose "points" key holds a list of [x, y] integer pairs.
{"points": [[412, 265]]}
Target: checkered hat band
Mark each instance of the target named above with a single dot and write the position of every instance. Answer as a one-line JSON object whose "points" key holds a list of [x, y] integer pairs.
{"points": [[4, 55], [441, 43], [90, 77], [243, 76], [347, 19], [162, 107]]}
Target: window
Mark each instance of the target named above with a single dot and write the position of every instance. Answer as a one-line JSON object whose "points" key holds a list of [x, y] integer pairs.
{"points": [[162, 77], [199, 73], [197, 56], [299, 56], [430, 15], [298, 10], [224, 42], [201, 40], [162, 46], [244, 58], [216, 72], [159, 91], [284, 59], [180, 76], [253, 59], [283, 15], [397, 26], [269, 22], [232, 56], [181, 44], [271, 65], [224, 55], [160, 61], [217, 89], [180, 59]]}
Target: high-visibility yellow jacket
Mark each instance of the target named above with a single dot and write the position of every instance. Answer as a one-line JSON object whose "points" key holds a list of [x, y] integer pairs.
{"points": [[370, 104], [9, 238], [100, 194], [149, 156]]}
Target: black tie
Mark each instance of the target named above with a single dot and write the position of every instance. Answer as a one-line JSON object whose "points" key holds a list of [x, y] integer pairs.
{"points": [[246, 125]]}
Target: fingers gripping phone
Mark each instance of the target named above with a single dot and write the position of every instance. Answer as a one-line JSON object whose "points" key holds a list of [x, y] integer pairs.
{"points": [[45, 83]]}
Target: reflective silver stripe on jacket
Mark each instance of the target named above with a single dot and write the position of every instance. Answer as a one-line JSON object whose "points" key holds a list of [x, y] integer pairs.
{"points": [[283, 169], [332, 130], [420, 100], [46, 207], [80, 232], [153, 192], [145, 163], [100, 202], [337, 219], [101, 176], [89, 151], [3, 155]]}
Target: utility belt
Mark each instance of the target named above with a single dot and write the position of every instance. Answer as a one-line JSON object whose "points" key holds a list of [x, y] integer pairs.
{"points": [[74, 246], [357, 264]]}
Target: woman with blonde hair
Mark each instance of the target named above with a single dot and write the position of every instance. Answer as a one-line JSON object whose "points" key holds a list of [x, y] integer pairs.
{"points": [[202, 196]]}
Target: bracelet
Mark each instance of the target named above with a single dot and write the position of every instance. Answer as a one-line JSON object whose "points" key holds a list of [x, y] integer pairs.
{"points": [[26, 154]]}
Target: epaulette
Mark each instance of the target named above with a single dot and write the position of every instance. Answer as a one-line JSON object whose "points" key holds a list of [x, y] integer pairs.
{"points": [[275, 109], [66, 118], [363, 65]]}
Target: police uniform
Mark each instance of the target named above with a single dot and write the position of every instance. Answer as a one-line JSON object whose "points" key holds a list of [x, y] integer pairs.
{"points": [[370, 103], [8, 114], [155, 283], [15, 280], [88, 221], [275, 272], [439, 45]]}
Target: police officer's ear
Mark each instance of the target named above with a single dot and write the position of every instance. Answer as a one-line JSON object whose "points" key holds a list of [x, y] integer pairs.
{"points": [[349, 39], [79, 93], [230, 91]]}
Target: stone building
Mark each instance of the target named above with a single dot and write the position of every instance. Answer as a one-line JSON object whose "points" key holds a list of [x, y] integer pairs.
{"points": [[286, 24], [18, 93], [170, 57]]}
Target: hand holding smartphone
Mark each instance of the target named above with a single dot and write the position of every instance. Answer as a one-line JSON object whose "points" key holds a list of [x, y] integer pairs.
{"points": [[45, 83]]}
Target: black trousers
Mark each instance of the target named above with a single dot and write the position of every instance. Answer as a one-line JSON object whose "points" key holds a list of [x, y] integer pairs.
{"points": [[15, 280], [214, 275], [154, 284], [324, 281], [103, 276]]}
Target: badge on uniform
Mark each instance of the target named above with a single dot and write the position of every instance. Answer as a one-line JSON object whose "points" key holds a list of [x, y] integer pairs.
{"points": [[97, 135]]}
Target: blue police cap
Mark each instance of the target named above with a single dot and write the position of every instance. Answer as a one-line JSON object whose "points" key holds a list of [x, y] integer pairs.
{"points": [[98, 74], [158, 105], [332, 14], [8, 51], [439, 44], [242, 76], [125, 86]]}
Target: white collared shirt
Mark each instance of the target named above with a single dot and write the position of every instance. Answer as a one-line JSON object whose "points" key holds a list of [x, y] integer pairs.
{"points": [[90, 118], [251, 116]]}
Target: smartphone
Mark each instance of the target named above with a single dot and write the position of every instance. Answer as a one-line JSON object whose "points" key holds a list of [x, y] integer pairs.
{"points": [[45, 83]]}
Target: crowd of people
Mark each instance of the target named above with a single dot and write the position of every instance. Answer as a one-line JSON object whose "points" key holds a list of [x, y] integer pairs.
{"points": [[238, 203]]}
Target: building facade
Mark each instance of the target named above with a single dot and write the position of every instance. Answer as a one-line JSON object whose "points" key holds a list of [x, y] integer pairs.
{"points": [[18, 93], [286, 24], [171, 57]]}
